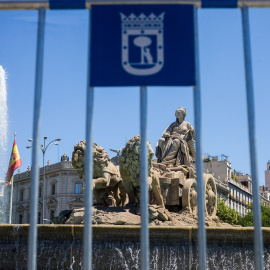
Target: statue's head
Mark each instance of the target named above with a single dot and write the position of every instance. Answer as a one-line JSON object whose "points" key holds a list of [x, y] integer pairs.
{"points": [[100, 156], [78, 157], [180, 113]]}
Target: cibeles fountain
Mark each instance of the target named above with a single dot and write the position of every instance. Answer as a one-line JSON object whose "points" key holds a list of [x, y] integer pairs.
{"points": [[116, 214], [171, 181]]}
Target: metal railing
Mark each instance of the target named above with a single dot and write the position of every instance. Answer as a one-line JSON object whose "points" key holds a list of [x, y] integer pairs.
{"points": [[42, 6], [32, 248], [36, 4]]}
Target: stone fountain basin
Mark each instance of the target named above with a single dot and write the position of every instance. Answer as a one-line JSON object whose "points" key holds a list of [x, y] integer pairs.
{"points": [[117, 247]]}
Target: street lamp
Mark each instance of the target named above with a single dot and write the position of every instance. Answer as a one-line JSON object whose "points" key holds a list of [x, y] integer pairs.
{"points": [[43, 148]]}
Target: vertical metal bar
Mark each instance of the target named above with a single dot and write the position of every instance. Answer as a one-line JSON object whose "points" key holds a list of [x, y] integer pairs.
{"points": [[32, 239], [88, 164], [144, 180], [258, 245], [200, 182], [43, 193]]}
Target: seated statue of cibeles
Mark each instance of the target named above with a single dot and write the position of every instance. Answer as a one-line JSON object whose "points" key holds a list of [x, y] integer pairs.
{"points": [[176, 146]]}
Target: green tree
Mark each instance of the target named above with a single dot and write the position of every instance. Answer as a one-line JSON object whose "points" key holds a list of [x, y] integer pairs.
{"points": [[265, 216], [247, 220], [232, 217], [227, 214]]}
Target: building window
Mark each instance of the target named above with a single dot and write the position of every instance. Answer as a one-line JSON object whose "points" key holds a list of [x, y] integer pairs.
{"points": [[40, 191], [53, 188], [39, 218], [78, 188], [21, 195], [20, 219], [51, 215]]}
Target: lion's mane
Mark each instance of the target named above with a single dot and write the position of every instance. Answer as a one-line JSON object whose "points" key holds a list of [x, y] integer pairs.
{"points": [[130, 161], [101, 158]]}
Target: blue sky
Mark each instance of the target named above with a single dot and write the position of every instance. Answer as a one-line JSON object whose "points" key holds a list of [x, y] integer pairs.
{"points": [[116, 111]]}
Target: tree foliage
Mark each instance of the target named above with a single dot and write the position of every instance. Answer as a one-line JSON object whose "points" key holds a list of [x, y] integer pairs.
{"points": [[226, 214], [247, 220], [232, 217], [265, 216], [234, 177]]}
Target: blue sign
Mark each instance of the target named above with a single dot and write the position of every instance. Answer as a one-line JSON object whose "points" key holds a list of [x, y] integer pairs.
{"points": [[142, 45]]}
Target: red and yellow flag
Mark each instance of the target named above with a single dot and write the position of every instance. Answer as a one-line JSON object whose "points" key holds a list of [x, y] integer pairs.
{"points": [[14, 163]]}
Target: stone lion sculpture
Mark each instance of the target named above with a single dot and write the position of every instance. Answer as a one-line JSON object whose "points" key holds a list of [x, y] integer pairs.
{"points": [[108, 187], [130, 172]]}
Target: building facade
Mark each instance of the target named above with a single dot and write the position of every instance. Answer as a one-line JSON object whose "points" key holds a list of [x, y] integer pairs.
{"points": [[265, 190], [238, 185], [221, 170], [223, 190], [240, 197], [267, 175], [63, 191], [265, 196]]}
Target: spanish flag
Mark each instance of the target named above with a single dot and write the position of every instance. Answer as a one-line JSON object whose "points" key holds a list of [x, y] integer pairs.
{"points": [[14, 163]]}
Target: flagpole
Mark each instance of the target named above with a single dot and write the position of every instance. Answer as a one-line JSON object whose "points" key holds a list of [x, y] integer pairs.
{"points": [[11, 198], [11, 194]]}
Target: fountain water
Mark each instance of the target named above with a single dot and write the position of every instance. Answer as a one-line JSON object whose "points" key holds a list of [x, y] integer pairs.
{"points": [[3, 125], [118, 247]]}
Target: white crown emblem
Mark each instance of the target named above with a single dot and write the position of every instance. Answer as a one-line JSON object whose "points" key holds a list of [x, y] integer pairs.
{"points": [[142, 44], [142, 21]]}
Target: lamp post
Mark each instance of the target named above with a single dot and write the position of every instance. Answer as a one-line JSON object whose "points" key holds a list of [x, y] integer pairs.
{"points": [[43, 148]]}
